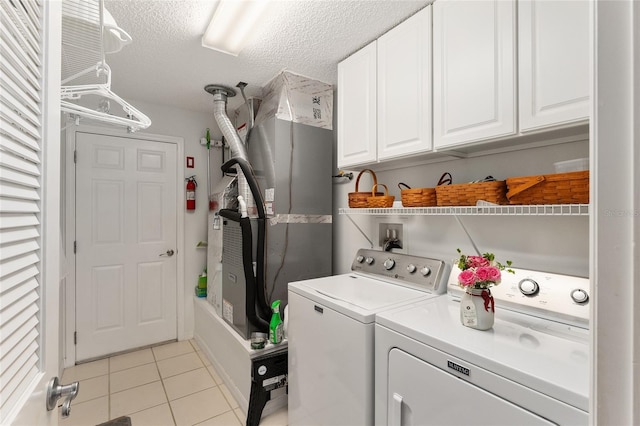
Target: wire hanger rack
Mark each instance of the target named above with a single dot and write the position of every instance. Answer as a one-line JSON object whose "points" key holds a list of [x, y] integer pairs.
{"points": [[85, 40]]}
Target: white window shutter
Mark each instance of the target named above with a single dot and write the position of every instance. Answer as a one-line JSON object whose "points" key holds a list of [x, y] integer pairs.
{"points": [[20, 177]]}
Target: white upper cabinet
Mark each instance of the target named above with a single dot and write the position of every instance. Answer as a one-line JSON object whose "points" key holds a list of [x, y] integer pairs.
{"points": [[554, 66], [463, 73], [357, 108], [404, 88], [474, 75], [384, 96]]}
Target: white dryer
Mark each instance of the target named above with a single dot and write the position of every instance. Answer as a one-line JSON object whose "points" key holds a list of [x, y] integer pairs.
{"points": [[531, 368], [331, 333]]}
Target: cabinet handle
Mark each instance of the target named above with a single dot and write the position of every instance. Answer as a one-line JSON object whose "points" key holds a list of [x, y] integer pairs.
{"points": [[396, 410]]}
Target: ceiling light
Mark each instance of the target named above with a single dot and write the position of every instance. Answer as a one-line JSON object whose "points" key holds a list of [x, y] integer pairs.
{"points": [[232, 24]]}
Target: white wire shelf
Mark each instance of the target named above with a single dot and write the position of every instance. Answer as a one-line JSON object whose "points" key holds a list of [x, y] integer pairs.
{"points": [[494, 210]]}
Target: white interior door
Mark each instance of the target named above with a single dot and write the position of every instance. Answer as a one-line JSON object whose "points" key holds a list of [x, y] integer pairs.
{"points": [[126, 223]]}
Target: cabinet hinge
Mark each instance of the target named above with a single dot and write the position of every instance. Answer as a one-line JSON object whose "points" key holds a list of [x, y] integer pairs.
{"points": [[75, 337], [75, 247], [75, 156]]}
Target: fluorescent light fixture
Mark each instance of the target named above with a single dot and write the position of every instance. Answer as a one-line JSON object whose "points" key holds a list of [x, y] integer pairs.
{"points": [[232, 24]]}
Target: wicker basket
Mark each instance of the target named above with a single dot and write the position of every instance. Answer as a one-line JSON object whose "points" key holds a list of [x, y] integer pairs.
{"points": [[467, 194], [358, 200], [380, 201], [417, 197], [558, 188]]}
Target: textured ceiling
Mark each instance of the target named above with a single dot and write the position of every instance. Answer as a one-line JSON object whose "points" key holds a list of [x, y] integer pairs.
{"points": [[166, 63]]}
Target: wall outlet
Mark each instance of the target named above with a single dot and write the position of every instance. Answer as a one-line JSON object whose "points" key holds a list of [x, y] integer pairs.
{"points": [[391, 231]]}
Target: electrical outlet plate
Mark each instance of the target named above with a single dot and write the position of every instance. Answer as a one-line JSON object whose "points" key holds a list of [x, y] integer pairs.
{"points": [[382, 234]]}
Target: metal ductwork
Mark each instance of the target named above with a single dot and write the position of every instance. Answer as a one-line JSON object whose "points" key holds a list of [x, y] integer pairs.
{"points": [[238, 150], [220, 95]]}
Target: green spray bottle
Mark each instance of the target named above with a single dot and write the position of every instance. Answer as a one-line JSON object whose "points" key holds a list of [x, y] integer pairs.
{"points": [[276, 328]]}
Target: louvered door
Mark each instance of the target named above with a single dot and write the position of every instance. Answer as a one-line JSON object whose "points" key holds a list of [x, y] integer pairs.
{"points": [[29, 208]]}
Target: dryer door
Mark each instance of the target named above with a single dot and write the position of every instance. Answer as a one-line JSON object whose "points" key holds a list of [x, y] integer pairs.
{"points": [[422, 394]]}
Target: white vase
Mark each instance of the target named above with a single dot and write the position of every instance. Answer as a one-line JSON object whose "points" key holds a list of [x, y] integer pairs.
{"points": [[477, 308]]}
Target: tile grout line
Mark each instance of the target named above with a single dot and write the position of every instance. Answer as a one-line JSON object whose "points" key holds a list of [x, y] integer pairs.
{"points": [[173, 416], [123, 390], [148, 408], [236, 414], [217, 415]]}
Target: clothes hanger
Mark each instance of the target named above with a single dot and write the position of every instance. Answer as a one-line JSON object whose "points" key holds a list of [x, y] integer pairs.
{"points": [[136, 120], [83, 11]]}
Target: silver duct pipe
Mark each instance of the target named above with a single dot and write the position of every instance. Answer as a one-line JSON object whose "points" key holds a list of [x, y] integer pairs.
{"points": [[238, 150], [220, 95]]}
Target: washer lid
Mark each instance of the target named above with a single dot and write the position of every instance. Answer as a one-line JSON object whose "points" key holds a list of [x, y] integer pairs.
{"points": [[356, 296], [549, 357]]}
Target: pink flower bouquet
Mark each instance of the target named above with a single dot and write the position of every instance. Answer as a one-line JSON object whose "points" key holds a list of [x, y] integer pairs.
{"points": [[480, 271]]}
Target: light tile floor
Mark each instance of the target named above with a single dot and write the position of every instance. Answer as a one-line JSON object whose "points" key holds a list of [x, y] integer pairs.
{"points": [[172, 384]]}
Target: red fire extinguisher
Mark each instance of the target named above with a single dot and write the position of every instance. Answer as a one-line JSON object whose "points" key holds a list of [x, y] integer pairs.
{"points": [[191, 192]]}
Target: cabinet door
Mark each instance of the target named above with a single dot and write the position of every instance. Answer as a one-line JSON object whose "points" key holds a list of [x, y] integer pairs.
{"points": [[474, 70], [554, 62], [357, 108], [404, 88]]}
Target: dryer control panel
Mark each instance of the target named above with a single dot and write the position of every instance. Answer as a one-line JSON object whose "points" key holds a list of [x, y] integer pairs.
{"points": [[560, 298], [421, 273]]}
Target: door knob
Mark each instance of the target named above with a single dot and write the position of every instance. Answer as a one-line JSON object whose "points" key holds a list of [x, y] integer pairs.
{"points": [[56, 391], [168, 253]]}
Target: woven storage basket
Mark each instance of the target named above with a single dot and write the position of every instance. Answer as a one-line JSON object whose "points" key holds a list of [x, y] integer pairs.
{"points": [[417, 197], [358, 200], [558, 188], [378, 201], [467, 194]]}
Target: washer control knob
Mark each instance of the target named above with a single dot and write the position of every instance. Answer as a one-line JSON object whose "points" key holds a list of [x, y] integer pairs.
{"points": [[580, 296], [389, 264], [360, 258], [369, 260], [528, 287], [411, 268], [425, 271]]}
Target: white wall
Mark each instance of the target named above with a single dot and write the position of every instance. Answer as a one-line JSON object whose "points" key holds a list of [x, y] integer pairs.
{"points": [[190, 126], [615, 354], [549, 243]]}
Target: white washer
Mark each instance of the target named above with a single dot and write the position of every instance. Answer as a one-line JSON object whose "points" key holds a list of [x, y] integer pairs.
{"points": [[531, 368], [331, 333]]}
